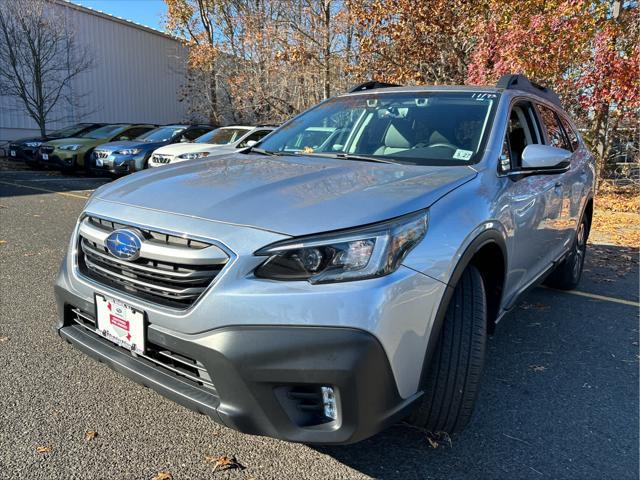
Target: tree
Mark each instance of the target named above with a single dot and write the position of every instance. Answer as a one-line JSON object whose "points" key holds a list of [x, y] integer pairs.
{"points": [[271, 58], [39, 59]]}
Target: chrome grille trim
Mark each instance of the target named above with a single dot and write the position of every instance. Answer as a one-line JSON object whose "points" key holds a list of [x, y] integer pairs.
{"points": [[82, 319], [160, 158], [47, 149], [101, 153], [173, 272]]}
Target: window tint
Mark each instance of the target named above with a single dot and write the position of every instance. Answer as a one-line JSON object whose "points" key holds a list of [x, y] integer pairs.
{"points": [[131, 133], [571, 133], [194, 133], [255, 136], [554, 130], [521, 131]]}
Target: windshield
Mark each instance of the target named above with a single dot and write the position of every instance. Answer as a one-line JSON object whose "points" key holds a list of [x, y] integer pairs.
{"points": [[425, 128], [222, 136], [69, 131], [103, 132], [160, 134]]}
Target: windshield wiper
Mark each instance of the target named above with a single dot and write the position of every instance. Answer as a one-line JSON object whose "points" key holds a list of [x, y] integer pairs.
{"points": [[348, 156], [262, 151]]}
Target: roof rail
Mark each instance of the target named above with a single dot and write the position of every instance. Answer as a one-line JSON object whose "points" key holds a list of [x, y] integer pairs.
{"points": [[370, 85], [521, 82]]}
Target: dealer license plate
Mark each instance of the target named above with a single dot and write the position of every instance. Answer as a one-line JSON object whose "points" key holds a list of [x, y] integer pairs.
{"points": [[120, 323], [45, 156]]}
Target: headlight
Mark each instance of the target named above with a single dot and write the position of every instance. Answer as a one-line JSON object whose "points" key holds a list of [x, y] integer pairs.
{"points": [[129, 151], [193, 156], [33, 144], [356, 254], [72, 147]]}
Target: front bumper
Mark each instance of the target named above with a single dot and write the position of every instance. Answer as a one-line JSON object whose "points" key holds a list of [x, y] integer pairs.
{"points": [[257, 372], [119, 164], [21, 152]]}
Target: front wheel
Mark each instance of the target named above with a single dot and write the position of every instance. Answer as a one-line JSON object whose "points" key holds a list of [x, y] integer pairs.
{"points": [[452, 379], [566, 276]]}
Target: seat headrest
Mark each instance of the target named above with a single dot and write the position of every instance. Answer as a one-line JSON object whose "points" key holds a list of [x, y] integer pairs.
{"points": [[400, 134], [437, 137]]}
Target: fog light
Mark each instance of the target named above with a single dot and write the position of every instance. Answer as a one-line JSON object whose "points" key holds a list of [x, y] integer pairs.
{"points": [[329, 403]]}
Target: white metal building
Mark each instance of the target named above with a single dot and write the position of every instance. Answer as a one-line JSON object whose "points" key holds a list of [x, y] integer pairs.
{"points": [[136, 76]]}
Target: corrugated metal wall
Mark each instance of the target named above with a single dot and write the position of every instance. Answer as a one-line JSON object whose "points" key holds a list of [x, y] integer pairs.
{"points": [[135, 78]]}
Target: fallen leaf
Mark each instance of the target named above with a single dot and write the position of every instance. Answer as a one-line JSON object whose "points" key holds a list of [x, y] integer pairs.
{"points": [[224, 463], [2, 242], [163, 475], [44, 449], [436, 439], [537, 368], [90, 435]]}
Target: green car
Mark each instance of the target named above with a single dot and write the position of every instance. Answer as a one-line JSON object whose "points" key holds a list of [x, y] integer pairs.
{"points": [[71, 154]]}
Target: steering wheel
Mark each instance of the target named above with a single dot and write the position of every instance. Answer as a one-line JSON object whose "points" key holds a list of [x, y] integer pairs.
{"points": [[445, 145]]}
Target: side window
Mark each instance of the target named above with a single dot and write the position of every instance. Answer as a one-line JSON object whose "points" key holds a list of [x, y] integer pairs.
{"points": [[522, 130], [131, 133], [255, 136], [555, 135], [193, 133], [571, 133]]}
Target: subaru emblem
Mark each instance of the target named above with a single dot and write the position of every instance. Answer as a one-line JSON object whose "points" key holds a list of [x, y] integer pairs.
{"points": [[124, 244]]}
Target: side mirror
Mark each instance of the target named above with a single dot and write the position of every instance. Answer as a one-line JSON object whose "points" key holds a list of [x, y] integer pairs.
{"points": [[545, 157], [250, 143]]}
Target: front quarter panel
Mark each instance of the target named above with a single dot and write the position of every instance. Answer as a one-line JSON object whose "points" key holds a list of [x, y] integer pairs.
{"points": [[455, 221]]}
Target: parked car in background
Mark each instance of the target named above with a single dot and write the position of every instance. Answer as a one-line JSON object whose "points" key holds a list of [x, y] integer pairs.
{"points": [[322, 294], [27, 148], [128, 156], [71, 154], [221, 141]]}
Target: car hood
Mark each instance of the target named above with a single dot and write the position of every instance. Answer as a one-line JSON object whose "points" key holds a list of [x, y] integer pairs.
{"points": [[180, 148], [87, 142], [289, 195], [21, 141], [144, 146]]}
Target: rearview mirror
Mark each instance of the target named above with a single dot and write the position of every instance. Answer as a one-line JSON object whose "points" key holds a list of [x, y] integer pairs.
{"points": [[545, 157]]}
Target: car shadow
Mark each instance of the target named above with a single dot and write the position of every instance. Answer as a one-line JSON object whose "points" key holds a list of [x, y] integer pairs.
{"points": [[559, 394]]}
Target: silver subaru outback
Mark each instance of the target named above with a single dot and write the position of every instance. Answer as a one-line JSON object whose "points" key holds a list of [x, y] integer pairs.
{"points": [[345, 272]]}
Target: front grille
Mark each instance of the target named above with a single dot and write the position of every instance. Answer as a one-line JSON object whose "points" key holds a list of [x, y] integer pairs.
{"points": [[159, 158], [13, 146], [101, 153], [171, 270], [181, 365], [47, 149]]}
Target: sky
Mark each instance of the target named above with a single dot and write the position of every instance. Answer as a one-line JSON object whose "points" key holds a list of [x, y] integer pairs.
{"points": [[146, 12]]}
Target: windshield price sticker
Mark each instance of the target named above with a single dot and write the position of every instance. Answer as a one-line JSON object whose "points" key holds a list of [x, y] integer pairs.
{"points": [[462, 154]]}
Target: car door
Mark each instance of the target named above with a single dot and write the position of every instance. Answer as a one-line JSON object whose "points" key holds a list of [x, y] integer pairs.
{"points": [[534, 201], [565, 224]]}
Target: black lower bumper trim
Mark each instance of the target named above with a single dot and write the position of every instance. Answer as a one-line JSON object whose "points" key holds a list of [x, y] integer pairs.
{"points": [[142, 371], [258, 370]]}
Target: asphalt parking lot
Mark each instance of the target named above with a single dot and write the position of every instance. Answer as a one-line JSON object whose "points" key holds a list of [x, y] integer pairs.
{"points": [[559, 398]]}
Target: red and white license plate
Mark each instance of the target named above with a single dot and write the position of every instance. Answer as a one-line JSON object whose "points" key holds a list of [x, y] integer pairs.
{"points": [[120, 323]]}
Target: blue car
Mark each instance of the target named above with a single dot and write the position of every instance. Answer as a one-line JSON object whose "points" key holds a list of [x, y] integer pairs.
{"points": [[123, 157]]}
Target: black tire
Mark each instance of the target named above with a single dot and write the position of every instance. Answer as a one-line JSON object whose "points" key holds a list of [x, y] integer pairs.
{"points": [[566, 276], [87, 165], [453, 377]]}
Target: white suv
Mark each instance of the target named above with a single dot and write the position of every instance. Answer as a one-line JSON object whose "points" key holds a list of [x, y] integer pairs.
{"points": [[220, 141]]}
